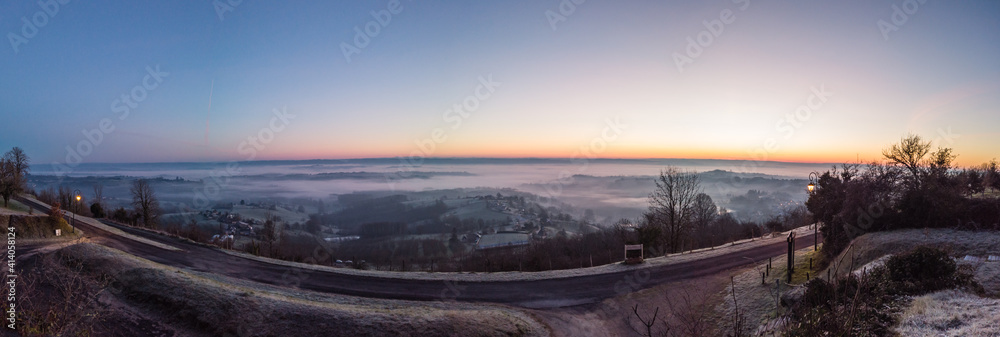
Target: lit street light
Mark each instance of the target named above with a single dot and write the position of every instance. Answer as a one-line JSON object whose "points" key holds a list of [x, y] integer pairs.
{"points": [[75, 209], [811, 188]]}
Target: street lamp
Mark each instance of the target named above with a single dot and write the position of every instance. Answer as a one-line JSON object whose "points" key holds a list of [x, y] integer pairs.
{"points": [[75, 209], [811, 188]]}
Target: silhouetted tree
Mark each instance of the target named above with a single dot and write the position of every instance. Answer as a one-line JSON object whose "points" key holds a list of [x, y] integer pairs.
{"points": [[13, 173], [97, 210], [99, 194], [671, 203], [144, 200], [270, 233], [909, 153]]}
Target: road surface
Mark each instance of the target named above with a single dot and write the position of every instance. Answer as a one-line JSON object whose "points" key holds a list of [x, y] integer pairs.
{"points": [[545, 293]]}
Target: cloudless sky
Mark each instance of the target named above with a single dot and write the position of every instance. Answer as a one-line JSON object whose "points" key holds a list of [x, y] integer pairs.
{"points": [[937, 75]]}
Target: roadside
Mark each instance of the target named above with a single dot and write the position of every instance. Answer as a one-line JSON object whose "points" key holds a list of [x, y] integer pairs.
{"points": [[612, 268], [138, 296], [944, 313]]}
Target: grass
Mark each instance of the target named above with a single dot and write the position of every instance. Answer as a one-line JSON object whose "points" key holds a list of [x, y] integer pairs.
{"points": [[219, 305], [950, 313], [756, 300], [39, 227], [14, 207], [872, 246]]}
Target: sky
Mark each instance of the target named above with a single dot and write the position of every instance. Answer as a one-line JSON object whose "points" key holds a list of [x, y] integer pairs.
{"points": [[798, 81]]}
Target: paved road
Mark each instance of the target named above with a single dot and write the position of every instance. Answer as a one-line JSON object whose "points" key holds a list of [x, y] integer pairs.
{"points": [[526, 293]]}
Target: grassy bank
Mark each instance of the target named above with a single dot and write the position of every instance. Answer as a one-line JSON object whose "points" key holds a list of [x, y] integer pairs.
{"points": [[209, 304]]}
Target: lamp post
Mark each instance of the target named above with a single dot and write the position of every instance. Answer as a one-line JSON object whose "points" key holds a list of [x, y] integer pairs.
{"points": [[76, 208], [811, 188]]}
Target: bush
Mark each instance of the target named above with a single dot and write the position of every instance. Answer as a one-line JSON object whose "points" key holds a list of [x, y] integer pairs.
{"points": [[923, 270], [866, 306]]}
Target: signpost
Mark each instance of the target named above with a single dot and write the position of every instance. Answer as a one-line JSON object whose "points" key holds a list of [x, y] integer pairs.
{"points": [[791, 255]]}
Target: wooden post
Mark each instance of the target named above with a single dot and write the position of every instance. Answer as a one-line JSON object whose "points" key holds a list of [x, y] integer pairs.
{"points": [[777, 295], [791, 255]]}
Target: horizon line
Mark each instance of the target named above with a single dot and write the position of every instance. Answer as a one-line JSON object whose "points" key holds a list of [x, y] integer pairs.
{"points": [[467, 158]]}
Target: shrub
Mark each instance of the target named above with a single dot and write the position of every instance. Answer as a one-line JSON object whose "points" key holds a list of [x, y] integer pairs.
{"points": [[922, 270], [866, 305]]}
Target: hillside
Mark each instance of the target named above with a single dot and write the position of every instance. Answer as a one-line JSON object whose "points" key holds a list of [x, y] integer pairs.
{"points": [[134, 296], [947, 312]]}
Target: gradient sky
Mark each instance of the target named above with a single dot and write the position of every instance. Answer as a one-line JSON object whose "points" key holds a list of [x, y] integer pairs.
{"points": [[938, 74]]}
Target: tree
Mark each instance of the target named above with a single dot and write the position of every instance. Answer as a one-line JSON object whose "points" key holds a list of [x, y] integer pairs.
{"points": [[147, 207], [13, 173], [99, 194], [909, 153], [703, 213], [270, 233], [670, 205], [313, 225], [7, 185], [991, 175], [97, 210], [55, 214]]}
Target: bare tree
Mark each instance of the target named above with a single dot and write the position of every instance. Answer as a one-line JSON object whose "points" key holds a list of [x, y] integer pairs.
{"points": [[13, 173], [7, 181], [99, 194], [145, 203], [647, 323], [909, 153], [670, 205], [72, 306], [691, 311]]}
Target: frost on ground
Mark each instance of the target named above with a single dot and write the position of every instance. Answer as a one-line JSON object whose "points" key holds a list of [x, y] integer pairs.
{"points": [[951, 313], [217, 305], [758, 303], [872, 246]]}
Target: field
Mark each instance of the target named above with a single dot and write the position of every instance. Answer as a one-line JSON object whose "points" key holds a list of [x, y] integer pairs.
{"points": [[476, 209]]}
